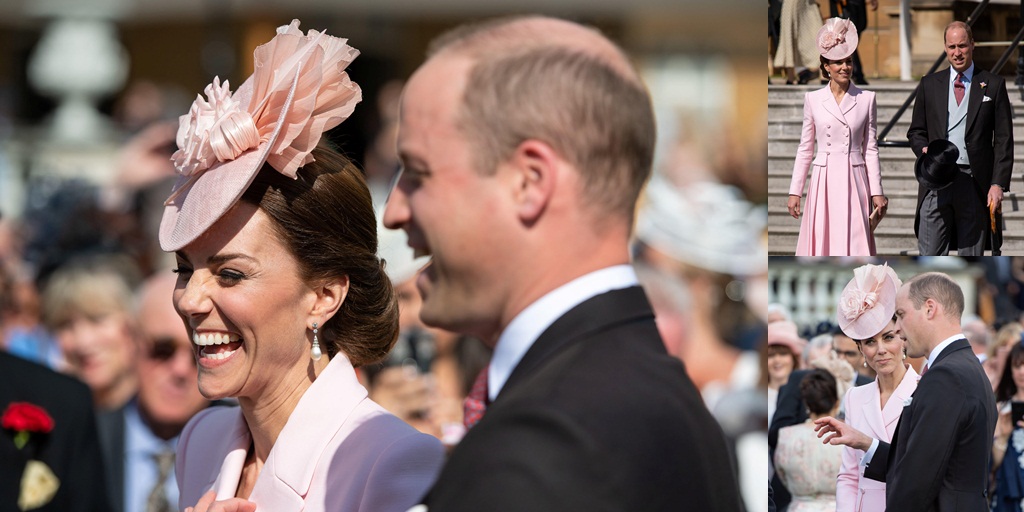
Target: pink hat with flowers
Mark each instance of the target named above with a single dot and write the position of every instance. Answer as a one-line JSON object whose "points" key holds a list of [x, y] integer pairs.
{"points": [[784, 332], [868, 302], [837, 39], [299, 90]]}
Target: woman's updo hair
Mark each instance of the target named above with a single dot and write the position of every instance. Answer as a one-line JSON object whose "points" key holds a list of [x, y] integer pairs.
{"points": [[818, 391], [327, 221], [824, 64]]}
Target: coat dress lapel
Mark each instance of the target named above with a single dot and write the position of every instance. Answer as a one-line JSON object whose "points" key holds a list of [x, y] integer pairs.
{"points": [[322, 411], [828, 101]]}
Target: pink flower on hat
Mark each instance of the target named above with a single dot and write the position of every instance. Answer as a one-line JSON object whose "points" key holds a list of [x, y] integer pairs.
{"points": [[215, 130], [863, 296], [829, 40]]}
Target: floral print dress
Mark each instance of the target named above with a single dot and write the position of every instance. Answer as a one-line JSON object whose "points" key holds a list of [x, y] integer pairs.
{"points": [[808, 468]]}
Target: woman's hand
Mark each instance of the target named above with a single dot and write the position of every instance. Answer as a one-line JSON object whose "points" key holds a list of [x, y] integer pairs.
{"points": [[794, 206], [208, 503], [881, 203]]}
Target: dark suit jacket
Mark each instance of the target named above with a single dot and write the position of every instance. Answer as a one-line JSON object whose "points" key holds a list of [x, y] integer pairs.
{"points": [[598, 417], [111, 432], [989, 135], [939, 457], [71, 450], [790, 410]]}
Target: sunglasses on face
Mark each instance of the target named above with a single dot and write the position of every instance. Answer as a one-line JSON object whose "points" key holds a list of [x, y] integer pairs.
{"points": [[164, 349]]}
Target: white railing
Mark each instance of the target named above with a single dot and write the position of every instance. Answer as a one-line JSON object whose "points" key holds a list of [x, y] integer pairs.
{"points": [[810, 289]]}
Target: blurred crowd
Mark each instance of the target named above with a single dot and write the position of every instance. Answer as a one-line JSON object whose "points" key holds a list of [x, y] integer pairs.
{"points": [[85, 291], [811, 365]]}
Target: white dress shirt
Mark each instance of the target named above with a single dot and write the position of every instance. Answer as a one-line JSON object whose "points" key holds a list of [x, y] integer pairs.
{"points": [[530, 323]]}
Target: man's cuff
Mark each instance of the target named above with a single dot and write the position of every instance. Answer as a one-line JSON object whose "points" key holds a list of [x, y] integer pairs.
{"points": [[866, 459]]}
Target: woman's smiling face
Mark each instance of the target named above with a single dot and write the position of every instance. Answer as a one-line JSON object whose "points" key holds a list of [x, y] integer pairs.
{"points": [[246, 307]]}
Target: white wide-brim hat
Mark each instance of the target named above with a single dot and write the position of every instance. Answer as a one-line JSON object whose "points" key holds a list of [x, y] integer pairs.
{"points": [[868, 302], [837, 39]]}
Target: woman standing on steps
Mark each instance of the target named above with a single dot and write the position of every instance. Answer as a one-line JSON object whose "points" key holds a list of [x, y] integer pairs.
{"points": [[844, 198]]}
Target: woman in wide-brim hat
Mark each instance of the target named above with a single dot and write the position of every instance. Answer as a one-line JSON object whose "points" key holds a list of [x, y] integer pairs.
{"points": [[845, 201], [866, 313]]}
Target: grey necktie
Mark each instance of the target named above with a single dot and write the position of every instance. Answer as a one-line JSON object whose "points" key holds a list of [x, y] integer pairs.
{"points": [[157, 500]]}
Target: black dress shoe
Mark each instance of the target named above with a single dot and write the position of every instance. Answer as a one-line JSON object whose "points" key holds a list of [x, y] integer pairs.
{"points": [[805, 76], [860, 81]]}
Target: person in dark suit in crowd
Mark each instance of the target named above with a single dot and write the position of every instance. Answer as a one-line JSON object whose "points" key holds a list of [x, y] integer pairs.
{"points": [[857, 12], [525, 143], [139, 439], [791, 410], [970, 108], [70, 451], [939, 457]]}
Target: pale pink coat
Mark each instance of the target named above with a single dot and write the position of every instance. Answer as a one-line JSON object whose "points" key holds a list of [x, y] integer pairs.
{"points": [[338, 451], [864, 412], [838, 141]]}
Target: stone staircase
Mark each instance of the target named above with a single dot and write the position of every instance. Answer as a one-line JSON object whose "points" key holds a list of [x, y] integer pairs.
{"points": [[895, 235]]}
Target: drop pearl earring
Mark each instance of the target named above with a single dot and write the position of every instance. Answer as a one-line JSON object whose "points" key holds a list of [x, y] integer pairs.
{"points": [[315, 352]]}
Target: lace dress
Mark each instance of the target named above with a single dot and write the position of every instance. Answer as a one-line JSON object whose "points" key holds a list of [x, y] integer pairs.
{"points": [[808, 468]]}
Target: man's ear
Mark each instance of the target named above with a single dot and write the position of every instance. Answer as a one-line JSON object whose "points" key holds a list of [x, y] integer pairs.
{"points": [[330, 294], [536, 166]]}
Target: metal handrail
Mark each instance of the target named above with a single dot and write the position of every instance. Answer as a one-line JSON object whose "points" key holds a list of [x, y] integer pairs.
{"points": [[913, 94]]}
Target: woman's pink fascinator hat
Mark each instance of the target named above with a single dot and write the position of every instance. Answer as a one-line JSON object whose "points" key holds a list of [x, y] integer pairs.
{"points": [[784, 332], [837, 39], [868, 302], [299, 90]]}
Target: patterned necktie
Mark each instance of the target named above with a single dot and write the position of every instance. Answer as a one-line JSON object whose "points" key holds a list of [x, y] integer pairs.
{"points": [[476, 403], [924, 369], [958, 88], [157, 500]]}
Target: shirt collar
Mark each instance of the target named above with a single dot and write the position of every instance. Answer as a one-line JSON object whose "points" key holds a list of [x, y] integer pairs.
{"points": [[968, 74], [138, 436], [530, 323], [940, 347]]}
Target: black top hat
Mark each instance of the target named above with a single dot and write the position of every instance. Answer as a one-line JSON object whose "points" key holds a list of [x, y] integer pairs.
{"points": [[937, 168]]}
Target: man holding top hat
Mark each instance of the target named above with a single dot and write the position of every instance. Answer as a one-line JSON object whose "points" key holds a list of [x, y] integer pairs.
{"points": [[969, 110]]}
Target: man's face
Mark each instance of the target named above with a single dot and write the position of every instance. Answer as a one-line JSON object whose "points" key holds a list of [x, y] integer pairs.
{"points": [[847, 349], [909, 322], [959, 49], [447, 208], [168, 391]]}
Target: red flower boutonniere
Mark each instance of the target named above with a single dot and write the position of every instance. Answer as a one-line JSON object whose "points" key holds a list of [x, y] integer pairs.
{"points": [[38, 483], [26, 419]]}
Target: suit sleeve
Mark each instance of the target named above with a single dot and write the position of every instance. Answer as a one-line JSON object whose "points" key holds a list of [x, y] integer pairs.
{"points": [[562, 469], [849, 471], [934, 425], [879, 463], [1002, 141], [788, 410], [89, 483], [917, 134], [805, 151]]}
